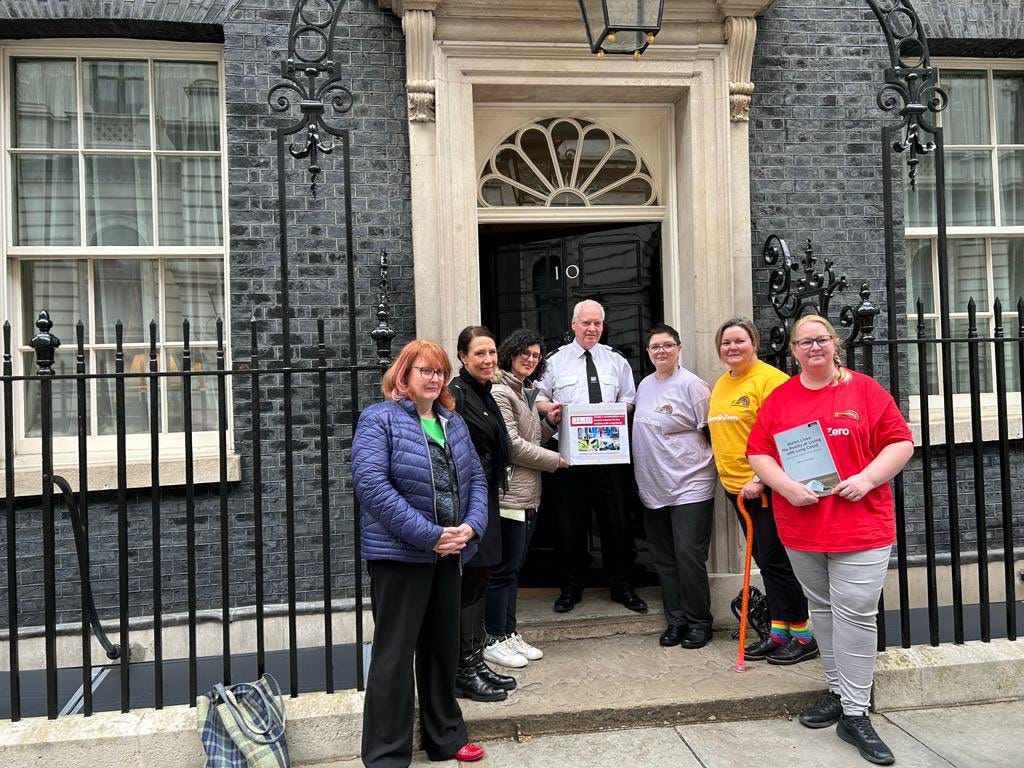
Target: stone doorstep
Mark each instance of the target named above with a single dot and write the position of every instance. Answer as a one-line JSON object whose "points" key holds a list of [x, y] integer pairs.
{"points": [[598, 616]]}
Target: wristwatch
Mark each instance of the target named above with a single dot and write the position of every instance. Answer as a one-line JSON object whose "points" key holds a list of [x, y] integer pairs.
{"points": [[757, 479]]}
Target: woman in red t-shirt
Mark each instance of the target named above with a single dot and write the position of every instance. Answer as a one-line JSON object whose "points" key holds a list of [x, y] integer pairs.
{"points": [[838, 544]]}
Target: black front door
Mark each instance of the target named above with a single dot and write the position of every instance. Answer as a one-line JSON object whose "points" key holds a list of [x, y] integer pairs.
{"points": [[532, 278]]}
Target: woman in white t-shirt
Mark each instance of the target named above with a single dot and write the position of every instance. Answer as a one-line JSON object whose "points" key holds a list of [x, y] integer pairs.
{"points": [[676, 477]]}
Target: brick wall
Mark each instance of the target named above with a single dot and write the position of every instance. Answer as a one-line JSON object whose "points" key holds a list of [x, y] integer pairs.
{"points": [[371, 58]]}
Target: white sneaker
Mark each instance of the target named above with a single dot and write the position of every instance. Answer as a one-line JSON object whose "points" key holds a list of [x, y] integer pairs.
{"points": [[499, 651], [523, 648]]}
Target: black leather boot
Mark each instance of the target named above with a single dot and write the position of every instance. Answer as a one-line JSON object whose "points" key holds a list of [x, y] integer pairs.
{"points": [[505, 682], [470, 685]]}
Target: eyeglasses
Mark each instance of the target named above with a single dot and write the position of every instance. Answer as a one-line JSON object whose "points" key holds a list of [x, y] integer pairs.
{"points": [[662, 347], [821, 341], [530, 355], [431, 373]]}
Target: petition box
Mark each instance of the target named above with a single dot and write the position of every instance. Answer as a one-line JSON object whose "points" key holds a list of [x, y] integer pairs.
{"points": [[594, 433]]}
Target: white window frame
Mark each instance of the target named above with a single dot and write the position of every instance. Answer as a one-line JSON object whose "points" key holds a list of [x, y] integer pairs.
{"points": [[961, 401], [102, 448]]}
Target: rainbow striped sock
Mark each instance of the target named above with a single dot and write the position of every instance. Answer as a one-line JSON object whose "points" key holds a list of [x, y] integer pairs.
{"points": [[801, 631], [780, 632]]}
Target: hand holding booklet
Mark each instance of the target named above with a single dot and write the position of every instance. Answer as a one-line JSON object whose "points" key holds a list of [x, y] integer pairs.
{"points": [[805, 457]]}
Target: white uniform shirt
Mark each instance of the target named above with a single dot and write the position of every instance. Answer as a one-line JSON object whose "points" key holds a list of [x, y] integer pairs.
{"points": [[565, 380]]}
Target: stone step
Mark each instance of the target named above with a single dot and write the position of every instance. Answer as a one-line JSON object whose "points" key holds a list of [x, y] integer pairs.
{"points": [[629, 680], [596, 616]]}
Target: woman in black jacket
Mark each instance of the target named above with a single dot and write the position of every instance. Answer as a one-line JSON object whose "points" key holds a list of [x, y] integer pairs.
{"points": [[478, 354]]}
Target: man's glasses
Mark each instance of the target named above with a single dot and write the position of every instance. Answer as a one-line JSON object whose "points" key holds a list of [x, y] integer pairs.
{"points": [[662, 347], [431, 373], [530, 355], [821, 341]]}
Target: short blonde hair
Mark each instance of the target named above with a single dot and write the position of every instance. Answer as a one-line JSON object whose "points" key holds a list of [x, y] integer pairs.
{"points": [[396, 379], [842, 374]]}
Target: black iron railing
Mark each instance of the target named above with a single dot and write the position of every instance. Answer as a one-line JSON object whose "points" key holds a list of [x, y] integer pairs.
{"points": [[311, 100], [316, 381], [797, 287]]}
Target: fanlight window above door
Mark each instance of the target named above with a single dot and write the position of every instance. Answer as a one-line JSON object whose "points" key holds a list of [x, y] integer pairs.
{"points": [[565, 162]]}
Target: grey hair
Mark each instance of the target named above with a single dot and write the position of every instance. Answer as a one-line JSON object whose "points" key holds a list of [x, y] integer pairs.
{"points": [[580, 305]]}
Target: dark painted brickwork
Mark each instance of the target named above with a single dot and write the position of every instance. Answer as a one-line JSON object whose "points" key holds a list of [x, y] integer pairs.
{"points": [[815, 155], [972, 19], [371, 57], [186, 11], [815, 146]]}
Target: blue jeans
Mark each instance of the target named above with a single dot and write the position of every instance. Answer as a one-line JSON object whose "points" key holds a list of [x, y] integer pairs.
{"points": [[500, 609]]}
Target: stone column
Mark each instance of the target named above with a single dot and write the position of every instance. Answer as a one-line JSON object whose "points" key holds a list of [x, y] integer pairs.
{"points": [[421, 86], [740, 32]]}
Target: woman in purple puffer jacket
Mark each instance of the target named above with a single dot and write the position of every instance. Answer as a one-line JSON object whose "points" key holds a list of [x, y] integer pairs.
{"points": [[423, 509]]}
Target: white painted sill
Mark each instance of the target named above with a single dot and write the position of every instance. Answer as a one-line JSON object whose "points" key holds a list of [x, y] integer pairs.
{"points": [[102, 474]]}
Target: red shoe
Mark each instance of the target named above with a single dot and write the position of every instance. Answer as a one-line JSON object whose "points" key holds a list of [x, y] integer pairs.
{"points": [[469, 753]]}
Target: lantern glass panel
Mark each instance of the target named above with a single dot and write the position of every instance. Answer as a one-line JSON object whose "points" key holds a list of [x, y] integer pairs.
{"points": [[629, 21], [594, 18]]}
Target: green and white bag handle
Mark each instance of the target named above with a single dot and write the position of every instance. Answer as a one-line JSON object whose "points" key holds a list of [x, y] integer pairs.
{"points": [[253, 730]]}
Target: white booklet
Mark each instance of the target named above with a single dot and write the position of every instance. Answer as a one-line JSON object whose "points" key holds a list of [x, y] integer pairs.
{"points": [[806, 458]]}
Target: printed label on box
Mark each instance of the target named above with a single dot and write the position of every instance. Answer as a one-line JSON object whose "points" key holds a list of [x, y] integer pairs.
{"points": [[594, 434]]}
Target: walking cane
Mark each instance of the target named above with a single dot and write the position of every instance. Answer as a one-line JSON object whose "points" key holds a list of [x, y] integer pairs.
{"points": [[745, 595]]}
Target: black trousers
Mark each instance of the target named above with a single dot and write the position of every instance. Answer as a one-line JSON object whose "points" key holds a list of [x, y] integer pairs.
{"points": [[500, 605], [472, 634], [600, 489], [679, 538], [786, 601], [415, 613]]}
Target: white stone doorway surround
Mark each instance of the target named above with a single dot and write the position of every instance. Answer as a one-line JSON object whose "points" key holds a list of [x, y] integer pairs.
{"points": [[465, 57]]}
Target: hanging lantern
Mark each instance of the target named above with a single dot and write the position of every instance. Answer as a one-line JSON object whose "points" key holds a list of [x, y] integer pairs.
{"points": [[621, 26]]}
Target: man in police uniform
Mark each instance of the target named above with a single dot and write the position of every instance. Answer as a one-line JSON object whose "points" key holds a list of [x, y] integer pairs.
{"points": [[587, 372]]}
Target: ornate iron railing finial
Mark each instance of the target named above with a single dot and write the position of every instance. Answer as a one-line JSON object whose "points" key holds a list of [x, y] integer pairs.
{"points": [[910, 81], [45, 344], [311, 40], [861, 318], [383, 334], [790, 298]]}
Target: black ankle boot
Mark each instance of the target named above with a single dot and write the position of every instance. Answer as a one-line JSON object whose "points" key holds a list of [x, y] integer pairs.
{"points": [[505, 682], [469, 684]]}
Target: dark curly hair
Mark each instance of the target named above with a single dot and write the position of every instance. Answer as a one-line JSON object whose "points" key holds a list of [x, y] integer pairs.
{"points": [[515, 344]]}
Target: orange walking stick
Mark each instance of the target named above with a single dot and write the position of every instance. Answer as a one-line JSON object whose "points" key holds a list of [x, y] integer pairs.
{"points": [[741, 665]]}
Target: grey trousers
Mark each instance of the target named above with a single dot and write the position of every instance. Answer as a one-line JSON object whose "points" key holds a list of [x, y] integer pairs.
{"points": [[842, 591], [678, 538]]}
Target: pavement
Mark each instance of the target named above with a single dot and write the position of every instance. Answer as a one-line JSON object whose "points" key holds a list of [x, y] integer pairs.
{"points": [[981, 736]]}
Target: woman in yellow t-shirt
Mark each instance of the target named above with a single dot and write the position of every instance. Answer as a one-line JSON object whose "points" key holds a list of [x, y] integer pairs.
{"points": [[735, 400]]}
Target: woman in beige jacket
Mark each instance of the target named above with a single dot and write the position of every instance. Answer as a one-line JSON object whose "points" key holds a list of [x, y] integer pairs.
{"points": [[520, 362]]}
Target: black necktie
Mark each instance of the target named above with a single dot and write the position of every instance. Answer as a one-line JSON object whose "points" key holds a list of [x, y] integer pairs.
{"points": [[593, 382]]}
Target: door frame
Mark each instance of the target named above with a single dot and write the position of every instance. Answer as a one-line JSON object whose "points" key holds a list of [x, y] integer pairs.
{"points": [[649, 128], [690, 83], [710, 191]]}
